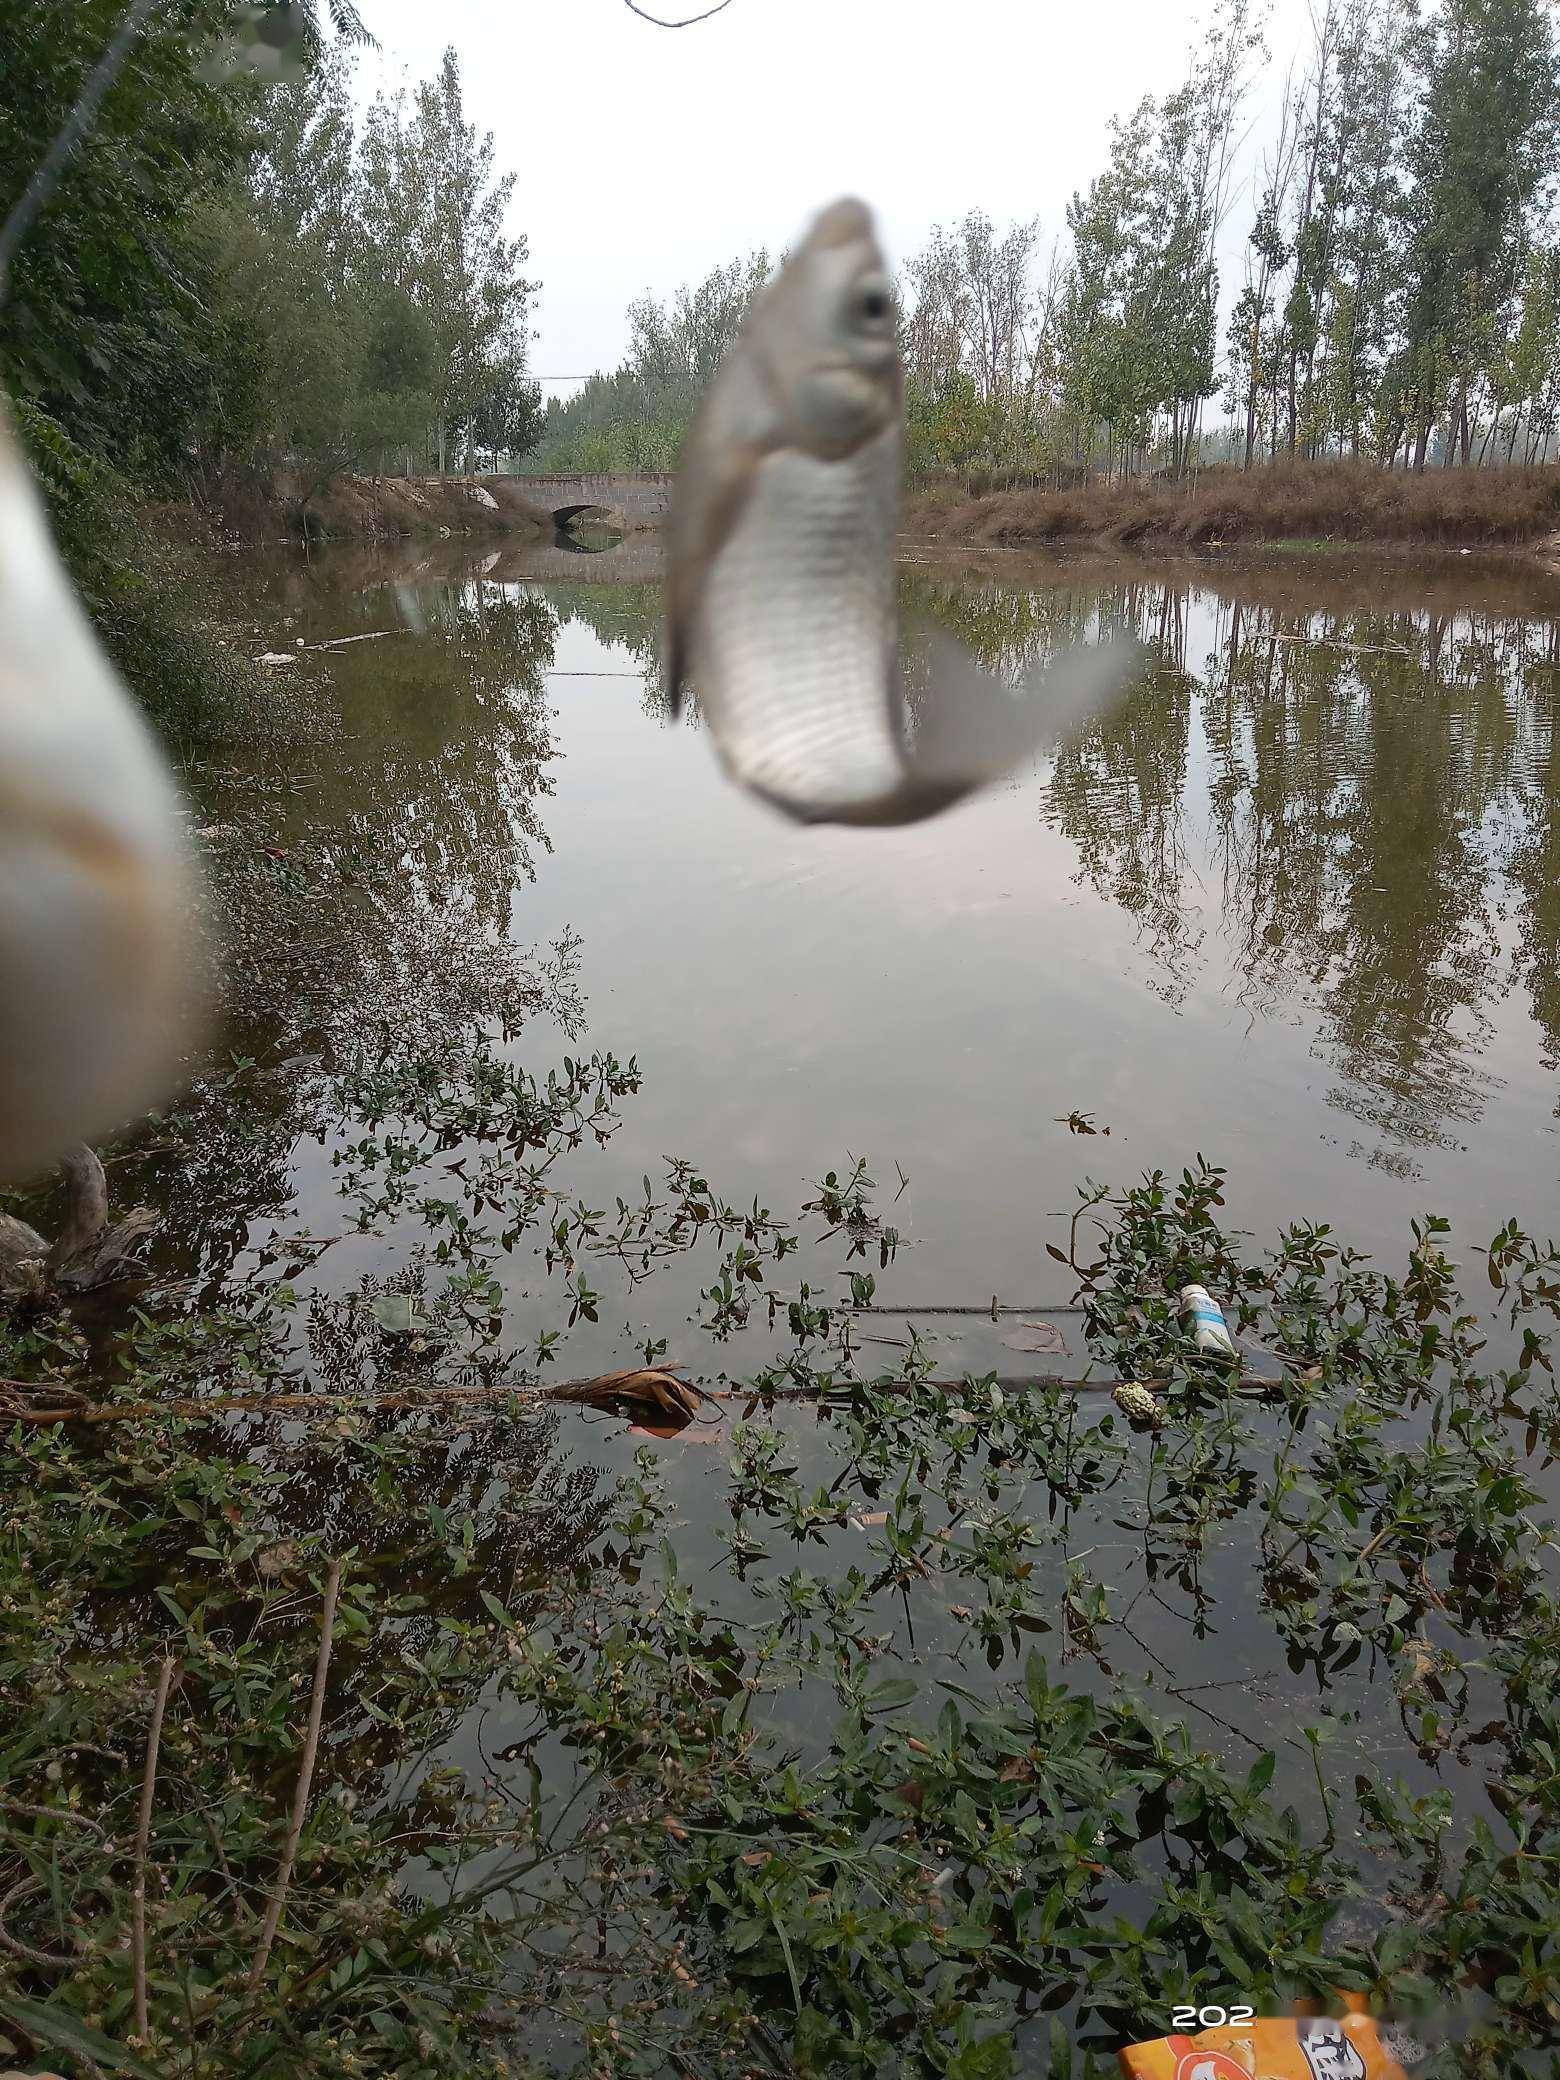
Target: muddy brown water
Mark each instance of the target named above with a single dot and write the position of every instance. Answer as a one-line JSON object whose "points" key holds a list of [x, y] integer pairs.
{"points": [[1294, 907]]}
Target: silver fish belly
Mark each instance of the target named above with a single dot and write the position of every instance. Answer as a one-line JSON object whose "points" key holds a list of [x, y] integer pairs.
{"points": [[795, 644]]}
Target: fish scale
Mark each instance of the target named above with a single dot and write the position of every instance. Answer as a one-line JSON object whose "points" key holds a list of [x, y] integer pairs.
{"points": [[798, 602]]}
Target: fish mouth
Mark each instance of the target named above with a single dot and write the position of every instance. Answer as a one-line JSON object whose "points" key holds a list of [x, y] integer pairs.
{"points": [[871, 360]]}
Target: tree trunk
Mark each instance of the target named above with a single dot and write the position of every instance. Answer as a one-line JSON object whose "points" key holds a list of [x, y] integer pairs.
{"points": [[1464, 440]]}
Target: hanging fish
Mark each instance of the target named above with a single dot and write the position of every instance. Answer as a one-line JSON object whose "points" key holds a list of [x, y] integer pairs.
{"points": [[780, 579], [98, 910]]}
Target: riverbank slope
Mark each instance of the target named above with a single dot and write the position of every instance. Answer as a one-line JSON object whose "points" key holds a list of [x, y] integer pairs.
{"points": [[1312, 502], [1329, 504], [255, 507]]}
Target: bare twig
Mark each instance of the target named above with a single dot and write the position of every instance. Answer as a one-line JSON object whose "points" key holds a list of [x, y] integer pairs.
{"points": [[143, 1829], [300, 1806], [985, 1308], [662, 1392], [51, 1958], [373, 636], [66, 1813], [653, 1388], [1330, 643]]}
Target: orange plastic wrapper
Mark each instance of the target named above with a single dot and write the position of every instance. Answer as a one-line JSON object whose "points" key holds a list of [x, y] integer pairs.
{"points": [[1295, 2047]]}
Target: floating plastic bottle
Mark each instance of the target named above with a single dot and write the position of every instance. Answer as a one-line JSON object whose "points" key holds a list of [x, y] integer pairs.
{"points": [[1208, 1323]]}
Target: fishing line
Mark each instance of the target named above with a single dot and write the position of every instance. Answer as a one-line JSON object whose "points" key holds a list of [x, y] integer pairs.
{"points": [[46, 177]]}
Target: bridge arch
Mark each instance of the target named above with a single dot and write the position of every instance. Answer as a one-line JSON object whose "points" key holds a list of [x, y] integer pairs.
{"points": [[627, 501], [565, 516]]}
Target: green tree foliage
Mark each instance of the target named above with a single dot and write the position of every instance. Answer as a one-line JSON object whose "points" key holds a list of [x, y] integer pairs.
{"points": [[229, 273], [1398, 298], [976, 335], [112, 325], [636, 418], [1140, 303], [431, 219], [1407, 239], [1486, 81], [282, 233]]}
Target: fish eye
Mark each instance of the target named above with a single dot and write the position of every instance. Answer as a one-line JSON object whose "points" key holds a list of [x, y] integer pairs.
{"points": [[871, 303]]}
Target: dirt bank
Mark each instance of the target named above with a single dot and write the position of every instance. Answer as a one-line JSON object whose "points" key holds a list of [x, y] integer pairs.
{"points": [[255, 508], [1318, 502]]}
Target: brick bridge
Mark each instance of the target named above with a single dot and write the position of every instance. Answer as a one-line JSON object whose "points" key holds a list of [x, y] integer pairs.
{"points": [[628, 502]]}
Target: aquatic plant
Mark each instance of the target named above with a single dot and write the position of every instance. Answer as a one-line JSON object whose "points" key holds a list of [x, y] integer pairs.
{"points": [[464, 1761]]}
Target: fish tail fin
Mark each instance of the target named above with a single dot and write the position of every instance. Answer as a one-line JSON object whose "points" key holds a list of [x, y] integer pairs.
{"points": [[969, 729]]}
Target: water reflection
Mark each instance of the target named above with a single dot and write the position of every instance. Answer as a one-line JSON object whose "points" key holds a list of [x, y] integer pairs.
{"points": [[1360, 800], [1329, 803], [366, 849]]}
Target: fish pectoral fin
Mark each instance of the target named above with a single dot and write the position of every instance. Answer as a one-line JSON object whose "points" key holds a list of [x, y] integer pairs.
{"points": [[967, 728]]}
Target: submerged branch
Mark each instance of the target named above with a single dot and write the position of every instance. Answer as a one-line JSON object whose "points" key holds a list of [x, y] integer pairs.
{"points": [[662, 1392]]}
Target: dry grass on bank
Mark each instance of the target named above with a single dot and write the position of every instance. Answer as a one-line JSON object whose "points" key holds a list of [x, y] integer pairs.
{"points": [[1313, 501], [256, 507]]}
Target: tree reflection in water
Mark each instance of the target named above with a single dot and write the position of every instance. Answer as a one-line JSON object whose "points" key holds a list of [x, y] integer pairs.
{"points": [[1370, 787], [364, 847], [1348, 807]]}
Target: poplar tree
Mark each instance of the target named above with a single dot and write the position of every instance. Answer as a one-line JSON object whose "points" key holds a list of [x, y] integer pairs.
{"points": [[433, 217], [1485, 79]]}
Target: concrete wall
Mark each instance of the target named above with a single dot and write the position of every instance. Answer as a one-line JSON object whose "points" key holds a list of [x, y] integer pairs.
{"points": [[636, 501]]}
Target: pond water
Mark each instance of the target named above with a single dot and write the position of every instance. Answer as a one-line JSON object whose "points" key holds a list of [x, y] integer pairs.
{"points": [[1294, 906]]}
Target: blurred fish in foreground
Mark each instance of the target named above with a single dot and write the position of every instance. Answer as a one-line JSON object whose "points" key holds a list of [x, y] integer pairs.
{"points": [[99, 974], [780, 571]]}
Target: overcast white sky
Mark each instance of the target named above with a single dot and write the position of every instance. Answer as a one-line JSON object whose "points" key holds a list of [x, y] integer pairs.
{"points": [[645, 155]]}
